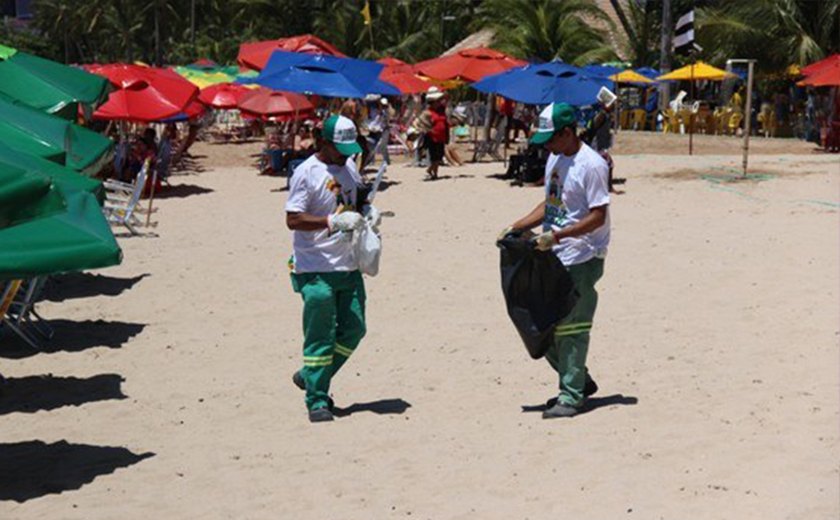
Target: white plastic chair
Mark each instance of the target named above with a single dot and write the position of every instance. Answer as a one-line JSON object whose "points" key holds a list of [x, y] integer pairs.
{"points": [[122, 199]]}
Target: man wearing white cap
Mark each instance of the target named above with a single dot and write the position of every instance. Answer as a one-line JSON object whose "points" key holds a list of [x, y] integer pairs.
{"points": [[576, 227], [321, 211]]}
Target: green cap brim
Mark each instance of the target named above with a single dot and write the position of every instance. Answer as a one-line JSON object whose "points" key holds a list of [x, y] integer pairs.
{"points": [[541, 137], [348, 149]]}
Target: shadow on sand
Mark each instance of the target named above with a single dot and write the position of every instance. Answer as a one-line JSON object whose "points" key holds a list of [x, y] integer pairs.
{"points": [[592, 403], [34, 393], [73, 336], [84, 285], [33, 469], [381, 407], [181, 191]]}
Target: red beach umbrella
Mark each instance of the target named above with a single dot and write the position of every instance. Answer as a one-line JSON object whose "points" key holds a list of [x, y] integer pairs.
{"points": [[468, 65], [819, 66], [825, 77], [144, 93], [139, 101], [273, 103], [402, 75], [223, 95], [256, 54], [195, 109]]}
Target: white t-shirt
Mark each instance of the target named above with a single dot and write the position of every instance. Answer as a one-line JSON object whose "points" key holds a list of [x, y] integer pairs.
{"points": [[573, 185], [320, 189]]}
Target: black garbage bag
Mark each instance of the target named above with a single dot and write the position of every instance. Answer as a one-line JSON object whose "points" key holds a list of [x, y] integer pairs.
{"points": [[538, 291]]}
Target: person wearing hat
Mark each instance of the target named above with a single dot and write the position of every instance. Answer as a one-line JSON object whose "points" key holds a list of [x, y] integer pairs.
{"points": [[321, 212], [438, 135], [576, 227]]}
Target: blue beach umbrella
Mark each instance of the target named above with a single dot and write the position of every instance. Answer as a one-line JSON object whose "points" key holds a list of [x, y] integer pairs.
{"points": [[649, 72], [322, 75], [550, 82], [601, 71]]}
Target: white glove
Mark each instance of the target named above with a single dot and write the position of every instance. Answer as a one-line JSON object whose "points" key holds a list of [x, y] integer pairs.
{"points": [[346, 221], [544, 241], [373, 217]]}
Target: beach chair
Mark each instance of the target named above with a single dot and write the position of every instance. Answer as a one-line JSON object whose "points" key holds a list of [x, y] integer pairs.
{"points": [[9, 319], [767, 120], [734, 123], [491, 146], [638, 119], [671, 122], [21, 311], [122, 200], [722, 120], [164, 160]]}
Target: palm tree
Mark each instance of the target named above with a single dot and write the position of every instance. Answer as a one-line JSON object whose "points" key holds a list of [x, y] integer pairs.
{"points": [[548, 29], [776, 32]]}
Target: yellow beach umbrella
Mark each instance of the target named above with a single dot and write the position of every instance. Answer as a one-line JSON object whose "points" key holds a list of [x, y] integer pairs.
{"points": [[697, 71], [203, 79], [629, 76]]}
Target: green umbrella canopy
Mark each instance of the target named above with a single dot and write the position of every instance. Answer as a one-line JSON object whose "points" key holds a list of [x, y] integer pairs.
{"points": [[47, 85], [36, 166], [46, 227], [30, 131]]}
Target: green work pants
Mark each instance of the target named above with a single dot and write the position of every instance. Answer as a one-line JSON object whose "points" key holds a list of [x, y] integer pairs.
{"points": [[571, 336], [333, 326]]}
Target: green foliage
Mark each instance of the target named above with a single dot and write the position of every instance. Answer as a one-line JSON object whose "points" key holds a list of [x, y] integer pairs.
{"points": [[548, 29], [776, 32]]}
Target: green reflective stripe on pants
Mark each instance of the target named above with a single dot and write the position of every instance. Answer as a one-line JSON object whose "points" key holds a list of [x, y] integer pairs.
{"points": [[571, 326], [333, 323], [571, 337], [571, 329], [344, 351]]}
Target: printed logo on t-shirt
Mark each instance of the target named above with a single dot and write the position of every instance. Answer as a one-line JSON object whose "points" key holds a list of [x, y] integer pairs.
{"points": [[343, 197], [555, 210]]}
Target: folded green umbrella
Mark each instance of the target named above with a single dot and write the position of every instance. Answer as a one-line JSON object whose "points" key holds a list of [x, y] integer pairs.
{"points": [[47, 85], [36, 133], [47, 227]]}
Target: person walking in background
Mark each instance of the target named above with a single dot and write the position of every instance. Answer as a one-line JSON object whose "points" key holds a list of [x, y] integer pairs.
{"points": [[438, 135], [576, 228], [321, 212]]}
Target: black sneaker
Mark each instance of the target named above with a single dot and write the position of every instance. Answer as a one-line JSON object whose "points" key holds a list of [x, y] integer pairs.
{"points": [[559, 410], [320, 415], [589, 388], [297, 379]]}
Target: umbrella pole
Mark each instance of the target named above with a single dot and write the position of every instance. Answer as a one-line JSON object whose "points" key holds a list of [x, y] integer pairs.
{"points": [[690, 114], [151, 196]]}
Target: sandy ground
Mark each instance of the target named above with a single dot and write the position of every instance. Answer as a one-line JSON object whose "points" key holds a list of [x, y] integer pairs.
{"points": [[715, 347]]}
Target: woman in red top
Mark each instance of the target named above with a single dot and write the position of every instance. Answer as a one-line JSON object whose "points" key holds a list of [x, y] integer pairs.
{"points": [[438, 135]]}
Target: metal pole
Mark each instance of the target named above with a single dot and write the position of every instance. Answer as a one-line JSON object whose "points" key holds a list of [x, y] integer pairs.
{"points": [[665, 53]]}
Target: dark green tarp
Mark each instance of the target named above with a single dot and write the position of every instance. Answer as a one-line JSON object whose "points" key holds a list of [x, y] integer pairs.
{"points": [[30, 131], [48, 226], [46, 85]]}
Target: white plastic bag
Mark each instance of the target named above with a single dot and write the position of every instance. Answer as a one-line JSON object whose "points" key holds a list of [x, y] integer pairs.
{"points": [[367, 245]]}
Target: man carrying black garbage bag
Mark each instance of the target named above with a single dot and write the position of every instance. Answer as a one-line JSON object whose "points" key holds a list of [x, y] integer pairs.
{"points": [[575, 227]]}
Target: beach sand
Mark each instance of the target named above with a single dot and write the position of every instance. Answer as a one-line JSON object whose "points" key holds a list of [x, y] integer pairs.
{"points": [[715, 346]]}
